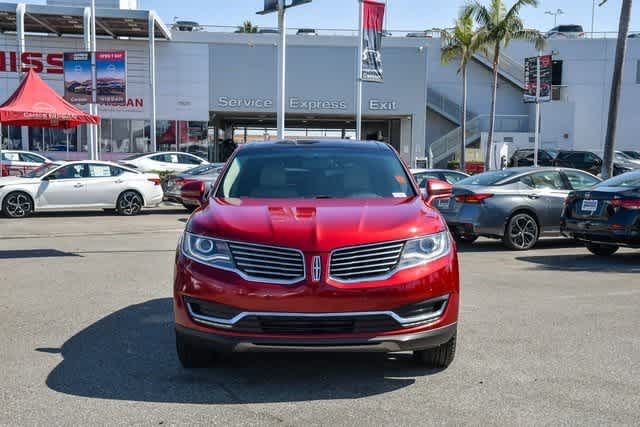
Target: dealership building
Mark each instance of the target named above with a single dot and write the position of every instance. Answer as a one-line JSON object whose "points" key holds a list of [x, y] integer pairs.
{"points": [[202, 88]]}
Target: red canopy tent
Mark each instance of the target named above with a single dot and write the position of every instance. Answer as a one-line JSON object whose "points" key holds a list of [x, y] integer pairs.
{"points": [[35, 104]]}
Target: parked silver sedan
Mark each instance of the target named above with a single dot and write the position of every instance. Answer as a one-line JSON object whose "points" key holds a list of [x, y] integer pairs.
{"points": [[517, 205]]}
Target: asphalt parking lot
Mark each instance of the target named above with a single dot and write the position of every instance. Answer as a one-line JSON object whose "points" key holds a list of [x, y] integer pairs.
{"points": [[550, 336]]}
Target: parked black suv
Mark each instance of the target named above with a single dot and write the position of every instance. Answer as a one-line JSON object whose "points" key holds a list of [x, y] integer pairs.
{"points": [[588, 162], [583, 160], [524, 157]]}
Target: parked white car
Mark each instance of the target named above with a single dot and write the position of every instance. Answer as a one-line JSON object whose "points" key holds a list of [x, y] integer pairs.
{"points": [[566, 32], [85, 184], [17, 162], [163, 162]]}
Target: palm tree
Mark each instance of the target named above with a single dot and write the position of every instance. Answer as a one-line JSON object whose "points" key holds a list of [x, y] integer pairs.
{"points": [[616, 82], [499, 26], [462, 42], [247, 27]]}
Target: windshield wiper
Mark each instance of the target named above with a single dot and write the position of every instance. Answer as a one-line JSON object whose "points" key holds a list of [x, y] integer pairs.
{"points": [[324, 196]]}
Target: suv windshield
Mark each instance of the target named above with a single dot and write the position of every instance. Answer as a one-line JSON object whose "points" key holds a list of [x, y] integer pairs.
{"points": [[315, 172], [41, 171], [489, 178]]}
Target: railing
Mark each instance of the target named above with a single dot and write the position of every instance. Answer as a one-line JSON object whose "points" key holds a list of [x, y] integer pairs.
{"points": [[431, 33], [445, 106], [449, 143], [507, 67]]}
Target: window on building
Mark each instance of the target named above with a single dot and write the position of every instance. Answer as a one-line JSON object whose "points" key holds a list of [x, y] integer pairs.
{"points": [[47, 139], [11, 138], [638, 72]]}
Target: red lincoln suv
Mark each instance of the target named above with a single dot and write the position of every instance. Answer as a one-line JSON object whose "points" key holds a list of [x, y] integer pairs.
{"points": [[316, 246]]}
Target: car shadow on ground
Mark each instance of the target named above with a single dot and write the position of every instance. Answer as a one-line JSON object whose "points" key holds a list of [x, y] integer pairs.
{"points": [[130, 355], [108, 213], [625, 262], [487, 245]]}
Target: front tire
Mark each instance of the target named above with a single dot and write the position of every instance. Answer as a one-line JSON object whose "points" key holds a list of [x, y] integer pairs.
{"points": [[438, 357], [602, 250], [465, 239], [129, 203], [17, 205], [189, 208], [192, 356], [522, 232]]}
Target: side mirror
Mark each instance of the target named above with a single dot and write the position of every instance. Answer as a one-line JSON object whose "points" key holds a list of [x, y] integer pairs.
{"points": [[194, 191], [437, 189]]}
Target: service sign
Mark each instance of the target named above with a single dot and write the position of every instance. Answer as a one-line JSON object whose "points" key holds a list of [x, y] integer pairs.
{"points": [[77, 77], [111, 78]]}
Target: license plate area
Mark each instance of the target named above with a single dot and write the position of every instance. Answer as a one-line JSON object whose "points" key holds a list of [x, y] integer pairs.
{"points": [[589, 206], [443, 203]]}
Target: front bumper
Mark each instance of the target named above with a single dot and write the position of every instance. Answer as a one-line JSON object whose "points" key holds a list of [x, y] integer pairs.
{"points": [[385, 343], [387, 315]]}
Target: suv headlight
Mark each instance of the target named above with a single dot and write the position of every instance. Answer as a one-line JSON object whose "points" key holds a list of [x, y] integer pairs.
{"points": [[207, 251], [425, 249]]}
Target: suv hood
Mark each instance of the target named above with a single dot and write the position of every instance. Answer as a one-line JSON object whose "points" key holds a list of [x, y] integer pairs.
{"points": [[316, 225]]}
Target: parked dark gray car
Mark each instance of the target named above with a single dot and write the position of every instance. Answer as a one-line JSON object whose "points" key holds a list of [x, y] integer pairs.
{"points": [[172, 185], [517, 205]]}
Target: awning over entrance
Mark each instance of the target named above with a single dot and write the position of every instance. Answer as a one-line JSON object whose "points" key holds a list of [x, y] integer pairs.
{"points": [[34, 103], [66, 20]]}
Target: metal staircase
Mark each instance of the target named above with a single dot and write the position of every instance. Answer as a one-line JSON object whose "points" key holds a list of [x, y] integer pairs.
{"points": [[447, 108], [447, 146], [509, 69]]}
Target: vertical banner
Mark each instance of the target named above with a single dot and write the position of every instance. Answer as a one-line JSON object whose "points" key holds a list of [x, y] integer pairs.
{"points": [[372, 24], [77, 77], [546, 71], [111, 78], [531, 78]]}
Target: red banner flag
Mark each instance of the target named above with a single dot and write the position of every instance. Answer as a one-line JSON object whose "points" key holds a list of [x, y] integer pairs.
{"points": [[372, 24]]}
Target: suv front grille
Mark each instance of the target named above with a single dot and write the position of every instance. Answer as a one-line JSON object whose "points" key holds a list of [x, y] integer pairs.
{"points": [[267, 262], [365, 262]]}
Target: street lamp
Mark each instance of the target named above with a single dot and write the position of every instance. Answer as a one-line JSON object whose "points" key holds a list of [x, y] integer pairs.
{"points": [[280, 6], [555, 15]]}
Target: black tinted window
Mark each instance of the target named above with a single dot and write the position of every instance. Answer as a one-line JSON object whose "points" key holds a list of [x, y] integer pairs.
{"points": [[315, 172], [70, 172], [185, 159], [570, 28]]}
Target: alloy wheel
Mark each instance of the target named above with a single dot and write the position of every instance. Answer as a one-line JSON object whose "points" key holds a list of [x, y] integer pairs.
{"points": [[18, 205], [523, 232], [130, 203]]}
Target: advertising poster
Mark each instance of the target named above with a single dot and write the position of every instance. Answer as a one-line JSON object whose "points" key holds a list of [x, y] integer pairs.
{"points": [[531, 78], [111, 78], [372, 24], [77, 77]]}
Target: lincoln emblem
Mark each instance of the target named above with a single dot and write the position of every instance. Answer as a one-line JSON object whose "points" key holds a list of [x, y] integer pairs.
{"points": [[316, 270]]}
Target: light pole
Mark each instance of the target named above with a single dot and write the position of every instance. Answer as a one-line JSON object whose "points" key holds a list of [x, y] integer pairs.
{"points": [[281, 7], [593, 17], [555, 15]]}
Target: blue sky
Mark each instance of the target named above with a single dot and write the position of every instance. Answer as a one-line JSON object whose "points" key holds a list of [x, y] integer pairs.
{"points": [[402, 14]]}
